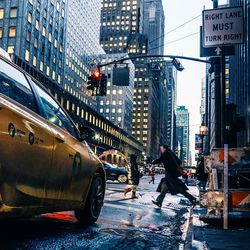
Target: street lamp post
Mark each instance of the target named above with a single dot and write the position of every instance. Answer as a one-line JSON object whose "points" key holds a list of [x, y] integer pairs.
{"points": [[203, 133]]}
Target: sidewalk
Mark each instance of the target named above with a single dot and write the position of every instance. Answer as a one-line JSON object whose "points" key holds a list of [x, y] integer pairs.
{"points": [[204, 236]]}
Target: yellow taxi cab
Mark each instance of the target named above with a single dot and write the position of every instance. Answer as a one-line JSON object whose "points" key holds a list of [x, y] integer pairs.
{"points": [[46, 164]]}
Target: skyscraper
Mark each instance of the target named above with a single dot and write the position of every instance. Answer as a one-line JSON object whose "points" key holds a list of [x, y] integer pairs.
{"points": [[171, 104], [153, 25], [182, 120], [34, 32], [128, 26], [117, 105], [82, 46]]}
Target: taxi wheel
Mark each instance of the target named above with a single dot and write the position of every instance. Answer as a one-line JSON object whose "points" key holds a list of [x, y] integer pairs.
{"points": [[122, 178], [92, 209]]}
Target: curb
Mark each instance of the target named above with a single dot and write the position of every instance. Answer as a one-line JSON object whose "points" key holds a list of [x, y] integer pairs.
{"points": [[188, 234]]}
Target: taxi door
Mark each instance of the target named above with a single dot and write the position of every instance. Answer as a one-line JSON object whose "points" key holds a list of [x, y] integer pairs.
{"points": [[71, 170], [26, 144]]}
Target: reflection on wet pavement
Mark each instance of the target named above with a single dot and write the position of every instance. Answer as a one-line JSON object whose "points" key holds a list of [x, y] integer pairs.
{"points": [[123, 224]]}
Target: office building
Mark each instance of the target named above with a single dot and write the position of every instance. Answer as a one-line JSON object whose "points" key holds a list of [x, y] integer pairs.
{"points": [[153, 25], [182, 120], [117, 105], [36, 34], [171, 104], [130, 27], [82, 47]]}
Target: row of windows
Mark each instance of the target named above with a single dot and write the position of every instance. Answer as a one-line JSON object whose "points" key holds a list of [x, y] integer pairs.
{"points": [[113, 110], [11, 31], [114, 102], [12, 14]]}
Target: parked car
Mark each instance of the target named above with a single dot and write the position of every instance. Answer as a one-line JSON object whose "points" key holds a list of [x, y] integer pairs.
{"points": [[46, 164], [114, 173]]}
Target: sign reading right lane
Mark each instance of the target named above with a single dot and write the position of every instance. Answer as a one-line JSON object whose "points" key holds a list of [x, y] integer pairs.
{"points": [[223, 26]]}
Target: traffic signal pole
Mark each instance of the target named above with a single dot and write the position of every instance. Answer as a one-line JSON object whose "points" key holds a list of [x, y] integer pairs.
{"points": [[153, 56]]}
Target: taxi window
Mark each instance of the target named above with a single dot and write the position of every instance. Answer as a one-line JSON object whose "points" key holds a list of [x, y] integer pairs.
{"points": [[54, 112], [14, 85]]}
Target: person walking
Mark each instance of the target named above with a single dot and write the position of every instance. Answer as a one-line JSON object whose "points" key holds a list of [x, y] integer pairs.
{"points": [[133, 177], [201, 176], [152, 174], [171, 183]]}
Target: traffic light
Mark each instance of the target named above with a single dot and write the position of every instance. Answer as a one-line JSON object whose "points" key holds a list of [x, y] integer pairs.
{"points": [[103, 85], [90, 83], [97, 82], [94, 80]]}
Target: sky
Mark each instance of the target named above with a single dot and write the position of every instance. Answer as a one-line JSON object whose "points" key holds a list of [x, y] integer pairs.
{"points": [[178, 12]]}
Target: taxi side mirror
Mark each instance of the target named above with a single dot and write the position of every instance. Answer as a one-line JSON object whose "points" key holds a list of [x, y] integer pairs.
{"points": [[87, 133]]}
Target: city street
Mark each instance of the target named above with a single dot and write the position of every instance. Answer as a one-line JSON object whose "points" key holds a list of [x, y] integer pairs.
{"points": [[123, 224]]}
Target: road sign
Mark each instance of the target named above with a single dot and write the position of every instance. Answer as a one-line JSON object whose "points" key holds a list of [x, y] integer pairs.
{"points": [[218, 51], [121, 75], [223, 26], [213, 51]]}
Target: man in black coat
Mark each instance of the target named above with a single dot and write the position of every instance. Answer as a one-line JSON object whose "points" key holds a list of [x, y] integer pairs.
{"points": [[171, 183]]}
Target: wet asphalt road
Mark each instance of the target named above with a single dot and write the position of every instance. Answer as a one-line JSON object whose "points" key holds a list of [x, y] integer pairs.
{"points": [[123, 224]]}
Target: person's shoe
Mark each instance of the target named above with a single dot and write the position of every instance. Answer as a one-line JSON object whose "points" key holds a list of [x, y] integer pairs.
{"points": [[156, 203], [134, 195], [126, 190]]}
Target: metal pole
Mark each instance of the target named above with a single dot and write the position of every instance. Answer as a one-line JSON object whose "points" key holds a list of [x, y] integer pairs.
{"points": [[217, 86], [225, 203], [222, 99]]}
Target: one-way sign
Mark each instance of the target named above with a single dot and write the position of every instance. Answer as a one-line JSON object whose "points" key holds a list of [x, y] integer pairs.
{"points": [[218, 51]]}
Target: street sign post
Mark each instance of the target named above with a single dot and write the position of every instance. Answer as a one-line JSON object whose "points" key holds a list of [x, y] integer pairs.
{"points": [[223, 26]]}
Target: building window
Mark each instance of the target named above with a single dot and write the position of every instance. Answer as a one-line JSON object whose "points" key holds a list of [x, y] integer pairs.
{"points": [[35, 42], [10, 49], [1, 13], [27, 55], [1, 32], [50, 37], [12, 31], [37, 24], [28, 36], [34, 61], [13, 12], [41, 66], [44, 31], [47, 71], [30, 17]]}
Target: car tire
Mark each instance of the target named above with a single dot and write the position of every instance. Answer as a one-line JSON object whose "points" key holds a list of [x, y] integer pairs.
{"points": [[92, 209], [122, 178]]}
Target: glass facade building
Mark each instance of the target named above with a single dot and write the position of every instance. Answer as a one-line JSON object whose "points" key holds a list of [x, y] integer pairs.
{"points": [[129, 26], [117, 105], [82, 47], [182, 120], [37, 32]]}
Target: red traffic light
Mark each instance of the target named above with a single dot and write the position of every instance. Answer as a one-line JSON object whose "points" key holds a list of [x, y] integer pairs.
{"points": [[96, 74]]}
